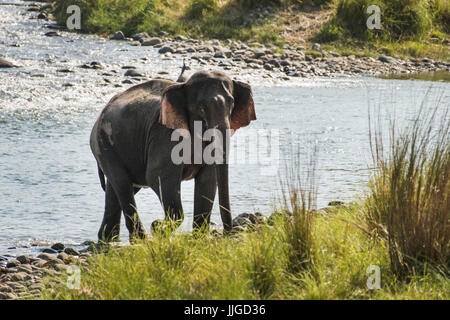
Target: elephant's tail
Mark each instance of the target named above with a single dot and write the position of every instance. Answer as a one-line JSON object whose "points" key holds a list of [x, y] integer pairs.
{"points": [[102, 178]]}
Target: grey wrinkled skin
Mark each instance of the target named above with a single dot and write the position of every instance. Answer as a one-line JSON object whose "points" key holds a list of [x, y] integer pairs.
{"points": [[131, 141]]}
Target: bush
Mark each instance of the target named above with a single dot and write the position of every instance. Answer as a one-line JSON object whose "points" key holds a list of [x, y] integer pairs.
{"points": [[441, 13], [200, 8], [409, 201], [400, 20]]}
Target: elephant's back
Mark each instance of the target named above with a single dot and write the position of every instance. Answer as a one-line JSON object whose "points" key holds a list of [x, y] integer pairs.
{"points": [[150, 90]]}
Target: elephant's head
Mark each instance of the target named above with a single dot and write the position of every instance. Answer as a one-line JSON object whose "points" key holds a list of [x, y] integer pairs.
{"points": [[220, 103]]}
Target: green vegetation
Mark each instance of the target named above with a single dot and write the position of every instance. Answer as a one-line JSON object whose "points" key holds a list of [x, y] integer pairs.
{"points": [[409, 203], [406, 25], [299, 253], [254, 265]]}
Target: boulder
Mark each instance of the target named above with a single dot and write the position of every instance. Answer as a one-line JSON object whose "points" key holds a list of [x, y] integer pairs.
{"points": [[150, 41], [247, 220], [166, 49], [118, 36], [58, 246], [386, 59], [12, 263], [6, 64], [133, 73], [140, 36], [72, 251], [23, 259]]}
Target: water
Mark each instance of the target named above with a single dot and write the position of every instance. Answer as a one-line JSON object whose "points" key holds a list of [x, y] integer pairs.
{"points": [[49, 189]]}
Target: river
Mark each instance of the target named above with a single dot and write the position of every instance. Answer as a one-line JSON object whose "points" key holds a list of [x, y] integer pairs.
{"points": [[49, 188]]}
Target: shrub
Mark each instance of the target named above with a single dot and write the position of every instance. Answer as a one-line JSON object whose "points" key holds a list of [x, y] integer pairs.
{"points": [[299, 199], [409, 201], [400, 20], [200, 8]]}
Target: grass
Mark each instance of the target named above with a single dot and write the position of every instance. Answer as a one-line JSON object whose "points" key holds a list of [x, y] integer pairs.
{"points": [[401, 228], [252, 266], [409, 202], [406, 27]]}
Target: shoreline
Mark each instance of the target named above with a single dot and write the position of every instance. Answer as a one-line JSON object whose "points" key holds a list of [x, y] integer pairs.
{"points": [[286, 63]]}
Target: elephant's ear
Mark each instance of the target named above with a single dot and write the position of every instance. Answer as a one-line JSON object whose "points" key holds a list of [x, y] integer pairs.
{"points": [[173, 111], [244, 107]]}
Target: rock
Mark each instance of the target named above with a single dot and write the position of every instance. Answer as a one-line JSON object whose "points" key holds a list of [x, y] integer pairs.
{"points": [[24, 259], [58, 246], [386, 59], [131, 73], [166, 49], [6, 64], [12, 263], [39, 263], [25, 268], [5, 288], [181, 38], [47, 257], [63, 256], [7, 296], [48, 250], [162, 34], [140, 36], [72, 251], [88, 243], [117, 36], [151, 41], [247, 220], [20, 276], [316, 47], [52, 34], [334, 54]]}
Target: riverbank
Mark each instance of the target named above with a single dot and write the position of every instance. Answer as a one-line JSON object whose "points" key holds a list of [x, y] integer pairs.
{"points": [[410, 30], [251, 265], [283, 63]]}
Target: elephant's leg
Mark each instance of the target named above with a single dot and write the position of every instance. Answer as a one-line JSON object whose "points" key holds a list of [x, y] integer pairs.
{"points": [[125, 194], [205, 192], [110, 228], [170, 197]]}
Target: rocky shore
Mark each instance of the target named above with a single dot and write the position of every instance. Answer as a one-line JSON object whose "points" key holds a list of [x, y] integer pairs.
{"points": [[268, 61], [287, 62], [22, 278]]}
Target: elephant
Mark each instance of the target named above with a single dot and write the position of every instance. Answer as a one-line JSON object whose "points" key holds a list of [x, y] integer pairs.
{"points": [[131, 142]]}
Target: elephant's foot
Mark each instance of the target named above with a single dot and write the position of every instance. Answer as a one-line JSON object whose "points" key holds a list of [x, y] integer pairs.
{"points": [[162, 227]]}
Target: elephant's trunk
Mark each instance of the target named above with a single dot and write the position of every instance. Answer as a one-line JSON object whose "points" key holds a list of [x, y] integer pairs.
{"points": [[222, 183]]}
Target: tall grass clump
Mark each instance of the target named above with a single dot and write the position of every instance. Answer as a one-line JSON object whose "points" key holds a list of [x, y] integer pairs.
{"points": [[409, 202], [299, 192]]}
